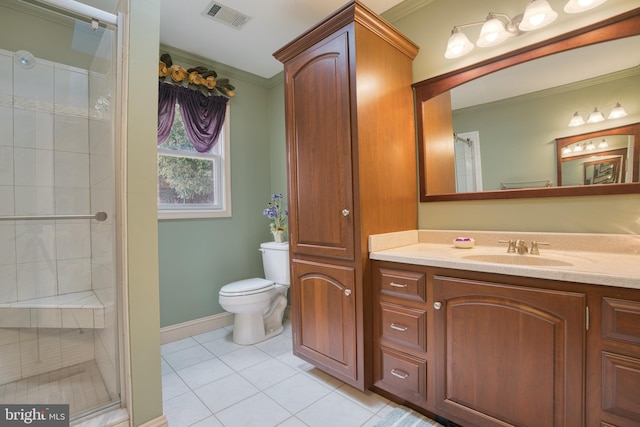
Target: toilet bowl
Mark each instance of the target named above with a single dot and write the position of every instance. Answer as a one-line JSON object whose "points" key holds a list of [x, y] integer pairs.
{"points": [[258, 304]]}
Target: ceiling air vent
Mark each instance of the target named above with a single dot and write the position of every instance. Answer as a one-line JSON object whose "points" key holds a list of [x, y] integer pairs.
{"points": [[227, 15]]}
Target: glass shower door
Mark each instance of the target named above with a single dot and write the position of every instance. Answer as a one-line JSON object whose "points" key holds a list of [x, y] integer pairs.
{"points": [[58, 299]]}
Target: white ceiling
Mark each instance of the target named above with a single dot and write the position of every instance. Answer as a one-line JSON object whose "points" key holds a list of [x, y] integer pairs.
{"points": [[273, 23]]}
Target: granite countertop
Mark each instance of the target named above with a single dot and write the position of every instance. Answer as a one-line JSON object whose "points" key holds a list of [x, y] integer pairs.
{"points": [[599, 259]]}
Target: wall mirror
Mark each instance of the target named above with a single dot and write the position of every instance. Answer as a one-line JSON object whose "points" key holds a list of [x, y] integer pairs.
{"points": [[490, 131]]}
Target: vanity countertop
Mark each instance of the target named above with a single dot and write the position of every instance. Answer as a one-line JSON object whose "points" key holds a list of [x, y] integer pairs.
{"points": [[599, 259]]}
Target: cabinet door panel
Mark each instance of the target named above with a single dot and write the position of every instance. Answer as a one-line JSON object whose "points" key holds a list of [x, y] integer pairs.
{"points": [[621, 385], [509, 355], [321, 193], [324, 302]]}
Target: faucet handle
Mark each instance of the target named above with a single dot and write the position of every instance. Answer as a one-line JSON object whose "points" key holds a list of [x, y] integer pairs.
{"points": [[512, 245], [534, 247]]}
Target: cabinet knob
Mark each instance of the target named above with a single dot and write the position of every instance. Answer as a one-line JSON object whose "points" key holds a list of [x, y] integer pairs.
{"points": [[345, 212], [347, 292], [437, 305]]}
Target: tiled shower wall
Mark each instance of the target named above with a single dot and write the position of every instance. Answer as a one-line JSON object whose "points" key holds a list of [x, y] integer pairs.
{"points": [[44, 143], [56, 157]]}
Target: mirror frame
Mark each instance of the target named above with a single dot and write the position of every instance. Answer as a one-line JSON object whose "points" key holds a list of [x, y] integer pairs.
{"points": [[631, 130], [624, 25]]}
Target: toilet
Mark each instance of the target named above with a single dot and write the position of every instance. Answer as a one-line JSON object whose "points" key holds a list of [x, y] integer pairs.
{"points": [[258, 304]]}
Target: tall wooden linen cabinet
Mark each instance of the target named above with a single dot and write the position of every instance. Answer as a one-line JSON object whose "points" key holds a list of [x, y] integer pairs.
{"points": [[351, 173]]}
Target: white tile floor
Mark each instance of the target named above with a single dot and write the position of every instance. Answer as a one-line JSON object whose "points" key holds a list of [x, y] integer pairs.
{"points": [[208, 380]]}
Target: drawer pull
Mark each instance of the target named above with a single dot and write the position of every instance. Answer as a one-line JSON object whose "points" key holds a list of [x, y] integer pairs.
{"points": [[400, 374], [399, 328], [437, 305], [398, 285]]}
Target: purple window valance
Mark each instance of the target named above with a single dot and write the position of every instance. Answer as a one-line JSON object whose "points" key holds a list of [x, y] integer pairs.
{"points": [[203, 116]]}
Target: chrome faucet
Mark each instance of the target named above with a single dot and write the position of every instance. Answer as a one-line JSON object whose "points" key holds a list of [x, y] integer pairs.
{"points": [[521, 247]]}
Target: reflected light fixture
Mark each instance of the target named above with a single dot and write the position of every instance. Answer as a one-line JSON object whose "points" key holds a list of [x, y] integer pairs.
{"points": [[576, 120], [577, 6], [498, 27], [617, 112], [591, 146], [603, 144], [595, 116], [577, 148], [566, 150]]}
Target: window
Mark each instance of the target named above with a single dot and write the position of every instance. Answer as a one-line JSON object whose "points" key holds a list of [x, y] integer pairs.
{"points": [[193, 184]]}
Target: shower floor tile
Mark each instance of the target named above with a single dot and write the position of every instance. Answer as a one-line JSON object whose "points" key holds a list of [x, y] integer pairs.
{"points": [[79, 385]]}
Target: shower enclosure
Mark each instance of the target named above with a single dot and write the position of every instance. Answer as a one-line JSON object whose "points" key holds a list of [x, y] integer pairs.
{"points": [[58, 274]]}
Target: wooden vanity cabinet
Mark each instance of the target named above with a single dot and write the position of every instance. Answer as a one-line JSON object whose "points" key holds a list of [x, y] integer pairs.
{"points": [[506, 353], [351, 173], [400, 333], [613, 362], [496, 351]]}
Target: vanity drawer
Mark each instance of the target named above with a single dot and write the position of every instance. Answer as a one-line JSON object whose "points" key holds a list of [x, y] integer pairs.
{"points": [[621, 320], [409, 285], [404, 326], [402, 375], [620, 385]]}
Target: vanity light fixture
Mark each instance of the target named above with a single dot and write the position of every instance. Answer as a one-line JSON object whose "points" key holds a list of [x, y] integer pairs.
{"points": [[595, 116], [498, 27], [591, 146], [538, 14], [577, 6], [566, 150], [577, 148], [603, 144]]}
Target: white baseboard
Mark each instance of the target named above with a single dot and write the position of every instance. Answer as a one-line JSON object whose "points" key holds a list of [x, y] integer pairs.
{"points": [[200, 326], [195, 327]]}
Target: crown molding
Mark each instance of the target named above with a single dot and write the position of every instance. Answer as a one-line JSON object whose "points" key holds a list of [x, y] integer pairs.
{"points": [[404, 9]]}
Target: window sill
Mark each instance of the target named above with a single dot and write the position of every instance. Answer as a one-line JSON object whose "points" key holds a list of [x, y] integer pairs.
{"points": [[166, 214]]}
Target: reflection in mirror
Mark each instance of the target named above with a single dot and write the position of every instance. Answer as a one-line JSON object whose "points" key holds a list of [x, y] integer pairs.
{"points": [[609, 156], [516, 106]]}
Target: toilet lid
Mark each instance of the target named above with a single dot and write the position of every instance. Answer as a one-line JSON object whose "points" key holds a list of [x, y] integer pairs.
{"points": [[246, 287]]}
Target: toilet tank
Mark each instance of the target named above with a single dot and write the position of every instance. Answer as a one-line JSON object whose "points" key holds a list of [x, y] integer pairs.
{"points": [[275, 260]]}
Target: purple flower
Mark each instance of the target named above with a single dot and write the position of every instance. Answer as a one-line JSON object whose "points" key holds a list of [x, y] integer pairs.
{"points": [[275, 213]]}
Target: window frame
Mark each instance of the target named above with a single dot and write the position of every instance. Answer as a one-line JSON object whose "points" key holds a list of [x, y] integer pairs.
{"points": [[224, 163]]}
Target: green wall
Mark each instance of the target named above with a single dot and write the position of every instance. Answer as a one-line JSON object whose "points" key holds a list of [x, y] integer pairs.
{"points": [[199, 256], [430, 27]]}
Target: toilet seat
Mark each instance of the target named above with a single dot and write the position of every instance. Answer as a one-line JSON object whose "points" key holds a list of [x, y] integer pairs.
{"points": [[247, 287]]}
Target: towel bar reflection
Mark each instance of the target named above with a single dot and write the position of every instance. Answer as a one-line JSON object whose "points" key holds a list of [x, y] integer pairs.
{"points": [[98, 216]]}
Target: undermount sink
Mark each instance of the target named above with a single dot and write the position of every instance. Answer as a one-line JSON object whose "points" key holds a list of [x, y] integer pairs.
{"points": [[516, 259]]}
